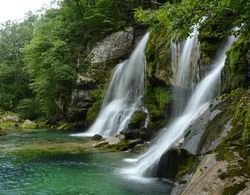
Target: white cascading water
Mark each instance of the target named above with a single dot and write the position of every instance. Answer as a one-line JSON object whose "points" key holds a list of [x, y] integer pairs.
{"points": [[184, 64], [124, 95], [198, 103]]}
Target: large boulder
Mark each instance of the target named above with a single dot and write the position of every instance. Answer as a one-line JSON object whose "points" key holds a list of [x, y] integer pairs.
{"points": [[11, 118], [171, 164], [28, 124], [131, 134], [113, 47]]}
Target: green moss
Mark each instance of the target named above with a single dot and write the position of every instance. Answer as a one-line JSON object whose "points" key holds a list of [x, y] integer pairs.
{"points": [[163, 96], [63, 126], [97, 94], [138, 120], [234, 146], [208, 49], [235, 70], [93, 111], [6, 124], [122, 145], [232, 190], [159, 56], [246, 132], [156, 125], [47, 148], [30, 125], [187, 163]]}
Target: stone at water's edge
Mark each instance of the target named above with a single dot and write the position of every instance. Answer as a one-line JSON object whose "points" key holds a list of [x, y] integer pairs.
{"points": [[97, 137], [10, 118], [28, 124]]}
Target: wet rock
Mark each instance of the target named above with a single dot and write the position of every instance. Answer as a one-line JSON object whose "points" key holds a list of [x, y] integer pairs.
{"points": [[82, 100], [133, 143], [195, 134], [139, 148], [100, 144], [97, 137], [131, 134], [137, 120], [113, 140], [173, 163]]}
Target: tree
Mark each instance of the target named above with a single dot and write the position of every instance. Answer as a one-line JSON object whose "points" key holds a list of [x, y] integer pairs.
{"points": [[14, 79]]}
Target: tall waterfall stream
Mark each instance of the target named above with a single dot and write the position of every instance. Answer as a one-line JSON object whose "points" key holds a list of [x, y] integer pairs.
{"points": [[124, 95], [146, 164]]}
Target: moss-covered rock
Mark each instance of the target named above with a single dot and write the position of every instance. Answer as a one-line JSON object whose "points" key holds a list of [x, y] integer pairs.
{"points": [[158, 52], [237, 187], [174, 163], [28, 124], [96, 137], [137, 120], [93, 112], [235, 70]]}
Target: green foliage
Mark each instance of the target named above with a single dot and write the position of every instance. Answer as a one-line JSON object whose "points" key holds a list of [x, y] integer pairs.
{"points": [[93, 111], [50, 64], [28, 109], [179, 17], [14, 79], [237, 187]]}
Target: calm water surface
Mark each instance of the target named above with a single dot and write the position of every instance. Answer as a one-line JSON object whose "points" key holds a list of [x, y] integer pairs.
{"points": [[68, 172]]}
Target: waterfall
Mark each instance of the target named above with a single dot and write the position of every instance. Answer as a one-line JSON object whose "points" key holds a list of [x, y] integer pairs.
{"points": [[146, 164], [184, 64], [124, 95]]}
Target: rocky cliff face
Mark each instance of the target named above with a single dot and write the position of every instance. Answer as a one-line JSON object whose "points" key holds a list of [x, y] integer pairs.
{"points": [[93, 78], [113, 47], [221, 163]]}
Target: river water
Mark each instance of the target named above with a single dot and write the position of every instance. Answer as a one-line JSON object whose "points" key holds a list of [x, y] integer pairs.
{"points": [[52, 162]]}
